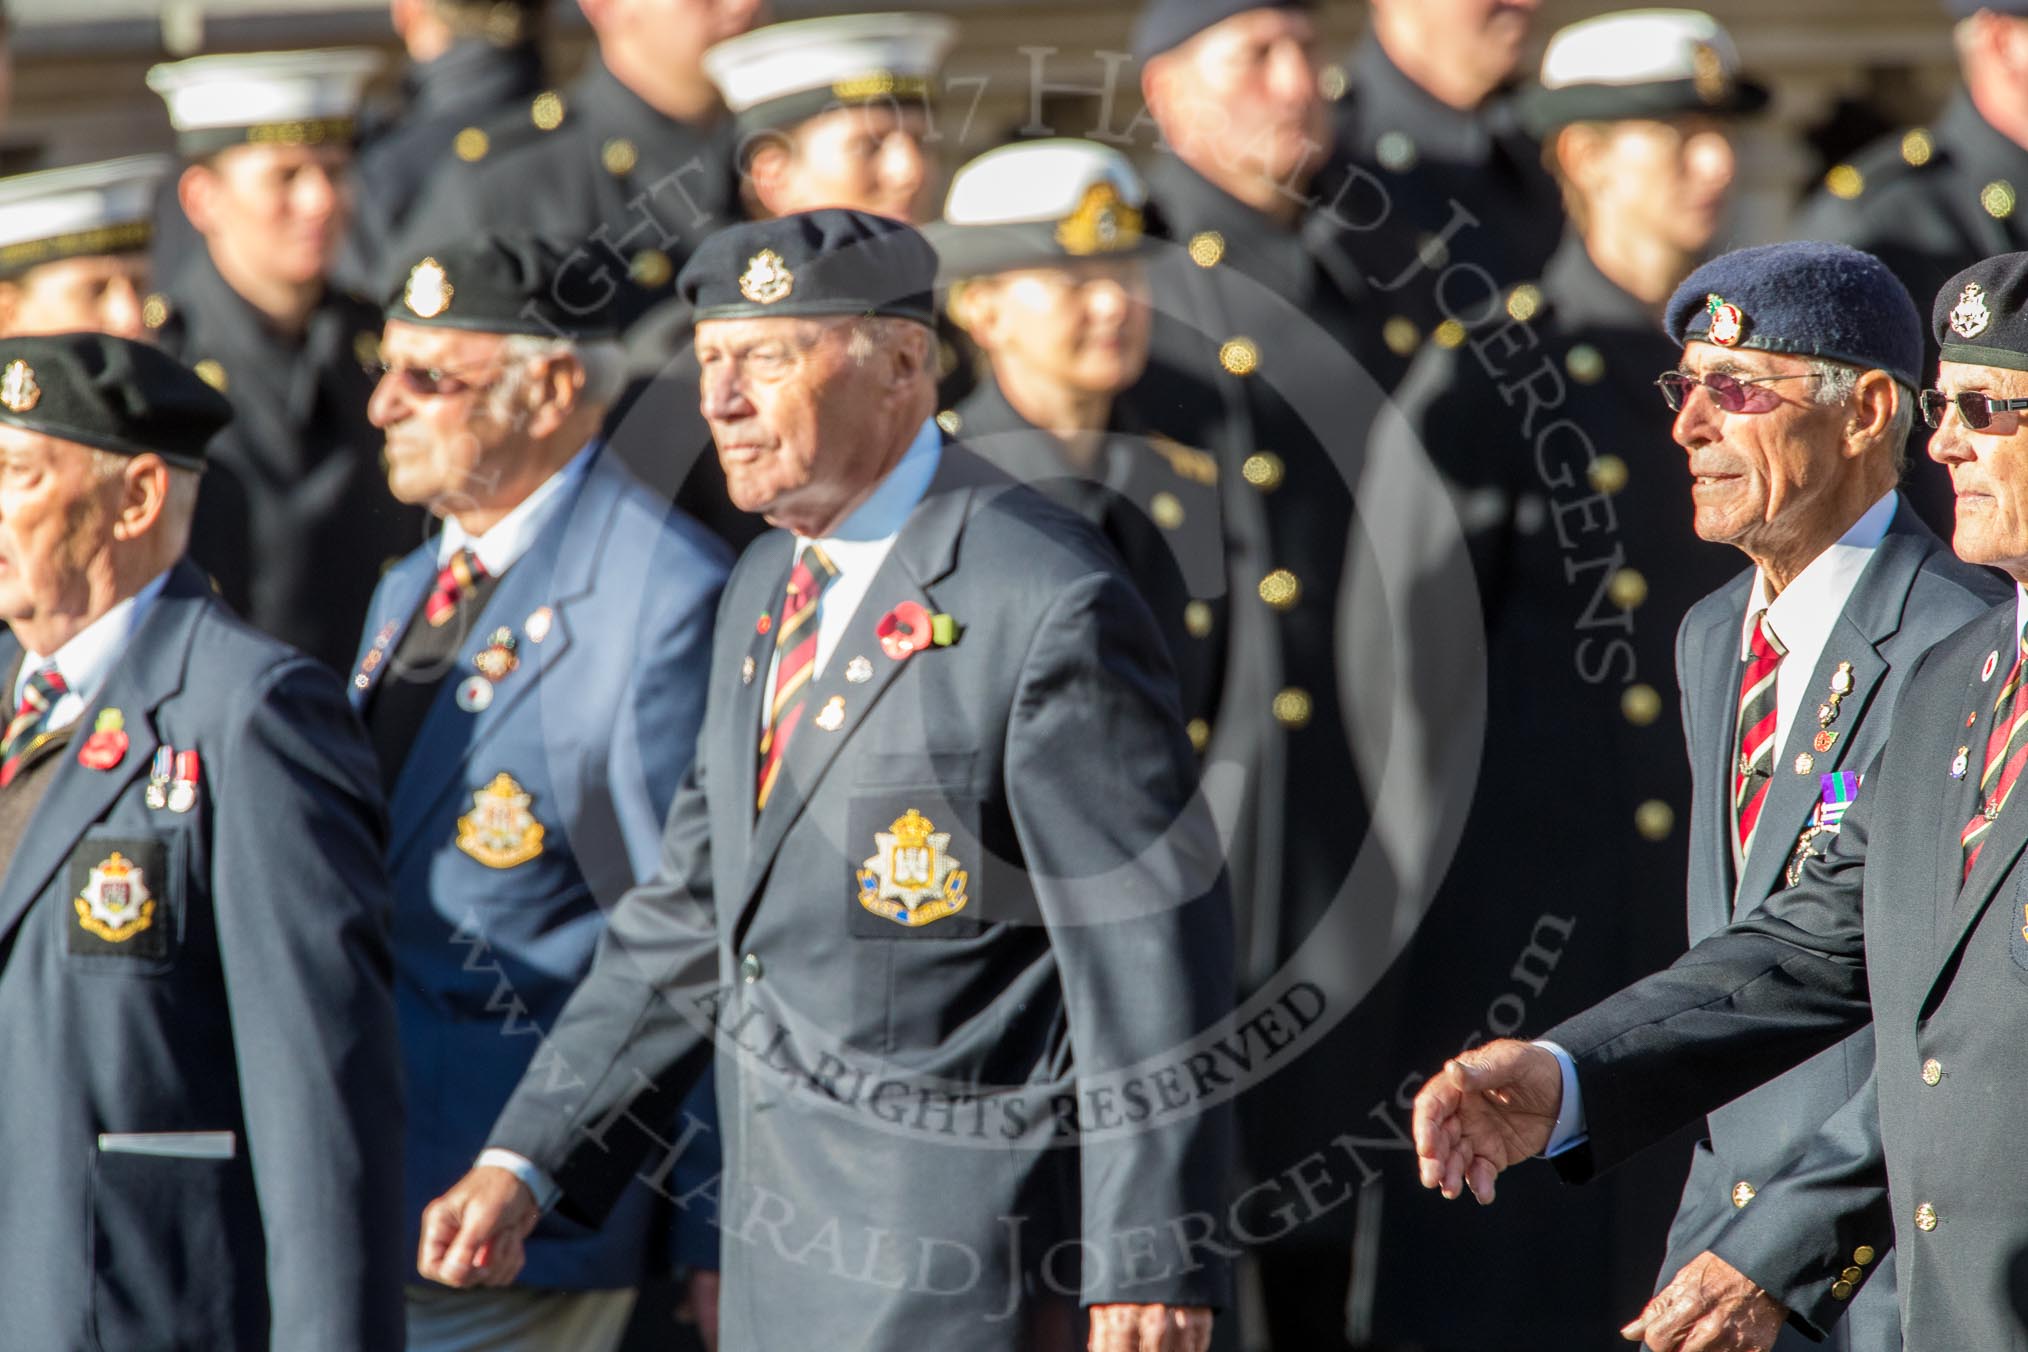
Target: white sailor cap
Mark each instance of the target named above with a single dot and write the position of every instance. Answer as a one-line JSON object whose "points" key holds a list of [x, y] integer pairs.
{"points": [[1641, 63], [265, 98], [780, 75], [81, 211], [1035, 203]]}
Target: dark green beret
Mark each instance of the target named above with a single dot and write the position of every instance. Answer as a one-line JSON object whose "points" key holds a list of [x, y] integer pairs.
{"points": [[1980, 317], [112, 393], [828, 262], [1165, 25], [507, 281]]}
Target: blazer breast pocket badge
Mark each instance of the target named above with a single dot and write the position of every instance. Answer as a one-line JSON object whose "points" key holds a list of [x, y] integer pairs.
{"points": [[913, 881], [500, 831], [119, 906]]}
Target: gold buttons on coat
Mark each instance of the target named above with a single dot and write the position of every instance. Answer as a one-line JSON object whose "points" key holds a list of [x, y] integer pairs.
{"points": [[1292, 708], [1932, 1072], [1925, 1217], [1743, 1192], [1280, 589]]}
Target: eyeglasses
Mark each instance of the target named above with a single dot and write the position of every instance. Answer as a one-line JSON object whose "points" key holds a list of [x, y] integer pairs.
{"points": [[1732, 393], [429, 381], [1975, 408]]}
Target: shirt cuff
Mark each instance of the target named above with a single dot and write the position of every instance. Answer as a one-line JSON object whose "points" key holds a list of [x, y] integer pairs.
{"points": [[532, 1177], [1569, 1132]]}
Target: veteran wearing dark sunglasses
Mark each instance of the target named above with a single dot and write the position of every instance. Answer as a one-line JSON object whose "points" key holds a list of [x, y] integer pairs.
{"points": [[1793, 396]]}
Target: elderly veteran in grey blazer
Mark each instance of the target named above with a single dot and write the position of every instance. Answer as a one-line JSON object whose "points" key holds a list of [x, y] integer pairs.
{"points": [[936, 886], [200, 1135], [1914, 920]]}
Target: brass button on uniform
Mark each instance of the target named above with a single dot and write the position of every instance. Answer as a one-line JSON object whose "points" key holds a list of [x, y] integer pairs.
{"points": [[155, 310], [1280, 589], [1641, 704], [950, 420], [1925, 1217], [1200, 734], [1523, 302], [1743, 1192], [212, 374], [547, 110], [1654, 819], [619, 156], [1853, 1274], [1264, 470], [1932, 1072], [1448, 334], [750, 968], [651, 268], [1628, 588], [1206, 248], [1167, 510], [1401, 335], [471, 145], [1841, 1290], [1292, 708], [1608, 474], [1239, 356], [1863, 1255], [1197, 619], [1585, 363]]}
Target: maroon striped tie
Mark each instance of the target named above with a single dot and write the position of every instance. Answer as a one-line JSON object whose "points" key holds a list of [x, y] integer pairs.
{"points": [[2006, 751], [1754, 770], [454, 579], [795, 660]]}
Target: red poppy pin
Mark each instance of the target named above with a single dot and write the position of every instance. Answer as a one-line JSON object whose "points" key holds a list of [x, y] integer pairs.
{"points": [[107, 746], [908, 628]]}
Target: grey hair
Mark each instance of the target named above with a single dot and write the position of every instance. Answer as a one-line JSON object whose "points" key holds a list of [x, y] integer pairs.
{"points": [[1835, 383], [604, 363], [179, 507], [873, 332]]}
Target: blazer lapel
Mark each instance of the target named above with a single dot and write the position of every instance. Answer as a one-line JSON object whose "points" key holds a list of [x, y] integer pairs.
{"points": [[147, 673], [922, 555], [1718, 679], [2009, 833], [774, 555], [400, 597]]}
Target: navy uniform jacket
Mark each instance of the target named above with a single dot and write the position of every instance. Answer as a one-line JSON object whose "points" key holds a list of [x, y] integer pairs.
{"points": [[254, 1004], [892, 1178], [1881, 929], [294, 523], [1912, 593], [1408, 169], [499, 902], [592, 166], [472, 83], [1580, 546]]}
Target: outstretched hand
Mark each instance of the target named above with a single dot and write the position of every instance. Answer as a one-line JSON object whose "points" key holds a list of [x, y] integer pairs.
{"points": [[1487, 1109]]}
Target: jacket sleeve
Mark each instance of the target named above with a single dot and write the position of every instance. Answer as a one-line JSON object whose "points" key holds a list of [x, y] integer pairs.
{"points": [[302, 906], [1805, 1234], [1124, 863]]}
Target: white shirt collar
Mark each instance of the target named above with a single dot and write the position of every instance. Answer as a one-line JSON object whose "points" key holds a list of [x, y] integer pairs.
{"points": [[90, 655], [1803, 615], [502, 546]]}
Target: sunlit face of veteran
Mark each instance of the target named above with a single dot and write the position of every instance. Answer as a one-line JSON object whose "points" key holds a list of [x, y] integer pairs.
{"points": [[1988, 468], [100, 293], [1782, 479], [869, 157], [81, 529], [809, 414], [1080, 327]]}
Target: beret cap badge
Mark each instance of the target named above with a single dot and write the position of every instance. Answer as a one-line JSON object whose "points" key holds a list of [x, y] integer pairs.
{"points": [[1103, 222], [18, 390], [429, 291], [1728, 324], [1970, 316], [1709, 77], [767, 278]]}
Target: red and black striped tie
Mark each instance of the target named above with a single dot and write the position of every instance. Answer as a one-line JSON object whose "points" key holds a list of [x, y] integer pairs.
{"points": [[454, 580], [25, 730], [2006, 751], [1756, 728], [795, 661]]}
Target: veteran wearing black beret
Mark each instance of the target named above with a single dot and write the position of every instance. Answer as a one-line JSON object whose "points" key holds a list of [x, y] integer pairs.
{"points": [[196, 1011], [1906, 920], [936, 887]]}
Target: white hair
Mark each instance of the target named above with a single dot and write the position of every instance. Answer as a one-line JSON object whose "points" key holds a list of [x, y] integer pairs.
{"points": [[602, 359], [179, 505], [1835, 382]]}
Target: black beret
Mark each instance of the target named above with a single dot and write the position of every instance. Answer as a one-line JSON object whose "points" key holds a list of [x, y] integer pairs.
{"points": [[1807, 298], [1965, 9], [1165, 25], [1981, 315], [507, 281], [112, 393], [829, 262]]}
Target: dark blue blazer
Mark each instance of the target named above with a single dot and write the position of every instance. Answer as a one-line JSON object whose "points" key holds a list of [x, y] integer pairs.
{"points": [[245, 995], [596, 726]]}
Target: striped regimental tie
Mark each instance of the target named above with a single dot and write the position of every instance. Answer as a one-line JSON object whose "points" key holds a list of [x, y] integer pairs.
{"points": [[1754, 770], [795, 661], [454, 580], [30, 723], [2006, 751]]}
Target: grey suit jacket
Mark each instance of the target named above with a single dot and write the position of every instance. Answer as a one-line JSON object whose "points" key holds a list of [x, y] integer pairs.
{"points": [[1912, 593], [244, 993], [1880, 929], [944, 1133]]}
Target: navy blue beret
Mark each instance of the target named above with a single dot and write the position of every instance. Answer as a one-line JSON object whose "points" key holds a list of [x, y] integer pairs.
{"points": [[1806, 298], [112, 393], [829, 262], [507, 281], [1981, 315], [1164, 25]]}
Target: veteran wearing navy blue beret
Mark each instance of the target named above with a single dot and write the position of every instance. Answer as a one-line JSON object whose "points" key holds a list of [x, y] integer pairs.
{"points": [[937, 884], [1897, 904], [200, 1139]]}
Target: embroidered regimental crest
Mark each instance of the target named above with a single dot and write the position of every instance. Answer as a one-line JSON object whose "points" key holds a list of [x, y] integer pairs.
{"points": [[18, 390], [500, 831], [429, 289], [1969, 317], [767, 278], [1102, 223], [116, 904], [910, 879]]}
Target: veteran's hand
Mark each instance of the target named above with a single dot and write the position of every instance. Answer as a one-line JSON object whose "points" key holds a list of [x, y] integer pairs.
{"points": [[700, 1306], [472, 1235], [1487, 1109], [1710, 1306], [1150, 1328]]}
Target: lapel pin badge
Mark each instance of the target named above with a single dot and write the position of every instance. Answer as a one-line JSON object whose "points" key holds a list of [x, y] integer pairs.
{"points": [[746, 669], [859, 671], [832, 716], [1992, 665], [107, 746], [1805, 763], [1961, 762], [474, 694], [536, 626]]}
